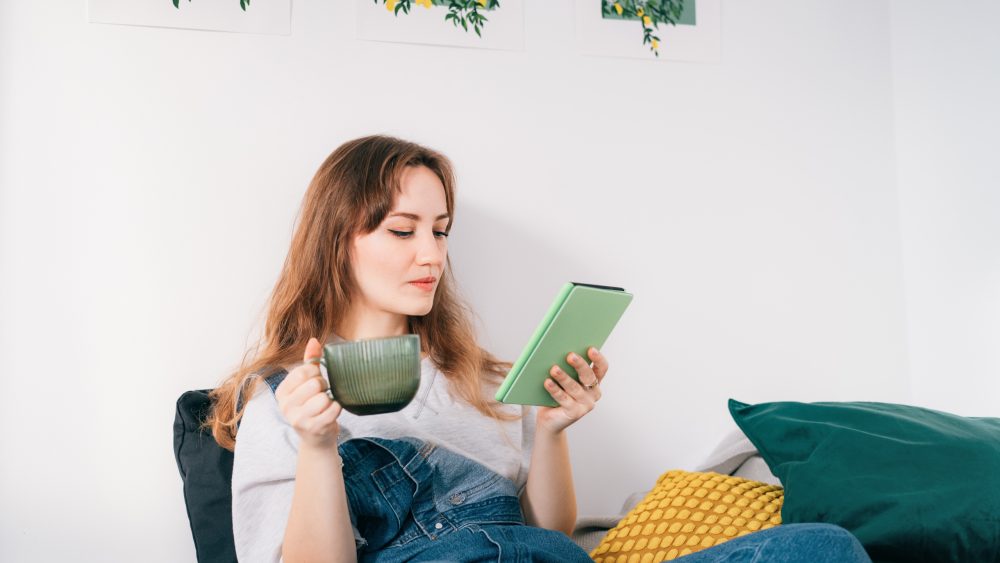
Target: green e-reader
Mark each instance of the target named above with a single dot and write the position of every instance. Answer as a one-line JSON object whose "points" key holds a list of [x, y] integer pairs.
{"points": [[582, 315]]}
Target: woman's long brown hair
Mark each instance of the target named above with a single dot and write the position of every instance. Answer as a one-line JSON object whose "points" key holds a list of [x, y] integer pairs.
{"points": [[351, 193]]}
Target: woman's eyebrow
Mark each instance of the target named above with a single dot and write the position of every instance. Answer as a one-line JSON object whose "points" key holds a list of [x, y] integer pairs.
{"points": [[414, 216]]}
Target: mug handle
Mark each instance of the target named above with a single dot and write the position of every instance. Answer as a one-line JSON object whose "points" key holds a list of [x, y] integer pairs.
{"points": [[329, 384]]}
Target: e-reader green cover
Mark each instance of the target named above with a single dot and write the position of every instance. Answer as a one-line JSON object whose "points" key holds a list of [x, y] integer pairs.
{"points": [[581, 316]]}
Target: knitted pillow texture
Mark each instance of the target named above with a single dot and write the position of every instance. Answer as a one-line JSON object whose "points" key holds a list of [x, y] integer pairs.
{"points": [[687, 512]]}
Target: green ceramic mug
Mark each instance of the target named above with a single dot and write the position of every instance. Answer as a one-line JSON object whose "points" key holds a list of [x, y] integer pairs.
{"points": [[374, 376]]}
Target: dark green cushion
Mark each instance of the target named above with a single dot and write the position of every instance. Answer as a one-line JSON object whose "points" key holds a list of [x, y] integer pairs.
{"points": [[912, 484]]}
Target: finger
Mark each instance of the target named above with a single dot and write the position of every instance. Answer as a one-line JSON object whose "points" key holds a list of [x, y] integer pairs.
{"points": [[313, 352], [570, 385], [560, 396], [287, 385], [600, 363], [314, 405], [330, 413], [309, 388], [309, 368], [570, 406], [320, 422], [295, 379], [584, 373]]}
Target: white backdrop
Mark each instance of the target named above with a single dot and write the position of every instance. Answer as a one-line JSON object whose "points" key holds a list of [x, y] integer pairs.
{"points": [[946, 72], [149, 179]]}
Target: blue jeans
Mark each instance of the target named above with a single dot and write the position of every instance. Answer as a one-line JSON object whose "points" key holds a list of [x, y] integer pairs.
{"points": [[413, 501], [788, 543]]}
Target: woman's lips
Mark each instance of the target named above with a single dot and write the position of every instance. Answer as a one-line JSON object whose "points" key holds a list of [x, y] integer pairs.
{"points": [[424, 286]]}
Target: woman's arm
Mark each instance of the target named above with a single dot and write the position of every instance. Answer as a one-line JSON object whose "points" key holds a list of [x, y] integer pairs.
{"points": [[319, 523], [549, 498]]}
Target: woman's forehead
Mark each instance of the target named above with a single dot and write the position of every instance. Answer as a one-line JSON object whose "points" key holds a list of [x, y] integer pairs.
{"points": [[421, 196]]}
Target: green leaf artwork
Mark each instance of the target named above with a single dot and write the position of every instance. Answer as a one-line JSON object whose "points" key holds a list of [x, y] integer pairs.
{"points": [[243, 4], [650, 14], [465, 13]]}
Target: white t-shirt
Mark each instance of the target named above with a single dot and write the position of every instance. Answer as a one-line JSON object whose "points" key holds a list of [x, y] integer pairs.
{"points": [[267, 451]]}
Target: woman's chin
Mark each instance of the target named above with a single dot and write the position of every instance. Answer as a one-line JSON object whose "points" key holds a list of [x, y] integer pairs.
{"points": [[419, 309]]}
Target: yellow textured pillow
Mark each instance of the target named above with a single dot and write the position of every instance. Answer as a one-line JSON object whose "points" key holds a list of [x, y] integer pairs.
{"points": [[687, 512]]}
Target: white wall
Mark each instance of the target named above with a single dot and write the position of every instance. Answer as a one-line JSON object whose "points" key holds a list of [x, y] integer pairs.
{"points": [[946, 77], [149, 178]]}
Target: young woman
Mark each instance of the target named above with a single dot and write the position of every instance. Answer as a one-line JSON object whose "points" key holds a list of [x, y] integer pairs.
{"points": [[369, 258], [454, 475]]}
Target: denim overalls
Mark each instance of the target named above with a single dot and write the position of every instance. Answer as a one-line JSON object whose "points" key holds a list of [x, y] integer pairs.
{"points": [[414, 501]]}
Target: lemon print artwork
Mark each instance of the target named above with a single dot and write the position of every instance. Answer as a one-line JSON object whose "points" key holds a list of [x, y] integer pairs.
{"points": [[650, 14], [467, 14]]}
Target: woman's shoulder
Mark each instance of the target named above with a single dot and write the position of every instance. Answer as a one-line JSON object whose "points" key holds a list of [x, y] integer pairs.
{"points": [[264, 379], [261, 411]]}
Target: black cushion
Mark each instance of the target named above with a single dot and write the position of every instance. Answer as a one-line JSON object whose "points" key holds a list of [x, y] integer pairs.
{"points": [[207, 471]]}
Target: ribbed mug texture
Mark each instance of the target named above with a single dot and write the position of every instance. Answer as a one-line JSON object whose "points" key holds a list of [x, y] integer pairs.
{"points": [[374, 376]]}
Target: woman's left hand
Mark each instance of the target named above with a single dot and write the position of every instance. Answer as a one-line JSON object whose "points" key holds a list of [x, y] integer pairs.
{"points": [[575, 399]]}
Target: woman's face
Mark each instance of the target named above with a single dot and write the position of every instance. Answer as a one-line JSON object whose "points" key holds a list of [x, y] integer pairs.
{"points": [[398, 265]]}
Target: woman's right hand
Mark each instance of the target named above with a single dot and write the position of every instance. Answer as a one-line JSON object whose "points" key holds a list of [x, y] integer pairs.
{"points": [[303, 401]]}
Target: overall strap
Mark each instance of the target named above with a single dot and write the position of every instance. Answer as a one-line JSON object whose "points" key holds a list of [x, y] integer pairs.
{"points": [[275, 379], [272, 381]]}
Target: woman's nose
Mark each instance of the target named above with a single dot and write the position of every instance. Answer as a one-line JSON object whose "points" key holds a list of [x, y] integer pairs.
{"points": [[430, 251]]}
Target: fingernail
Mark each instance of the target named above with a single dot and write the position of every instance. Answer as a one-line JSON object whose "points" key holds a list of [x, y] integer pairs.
{"points": [[574, 358]]}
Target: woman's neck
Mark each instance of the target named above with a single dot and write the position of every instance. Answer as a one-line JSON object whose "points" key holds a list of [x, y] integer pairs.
{"points": [[358, 325]]}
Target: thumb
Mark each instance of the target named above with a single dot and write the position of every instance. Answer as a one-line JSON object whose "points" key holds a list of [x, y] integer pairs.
{"points": [[313, 352]]}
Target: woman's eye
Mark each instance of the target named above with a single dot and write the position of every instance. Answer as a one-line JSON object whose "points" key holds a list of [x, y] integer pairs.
{"points": [[408, 234]]}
